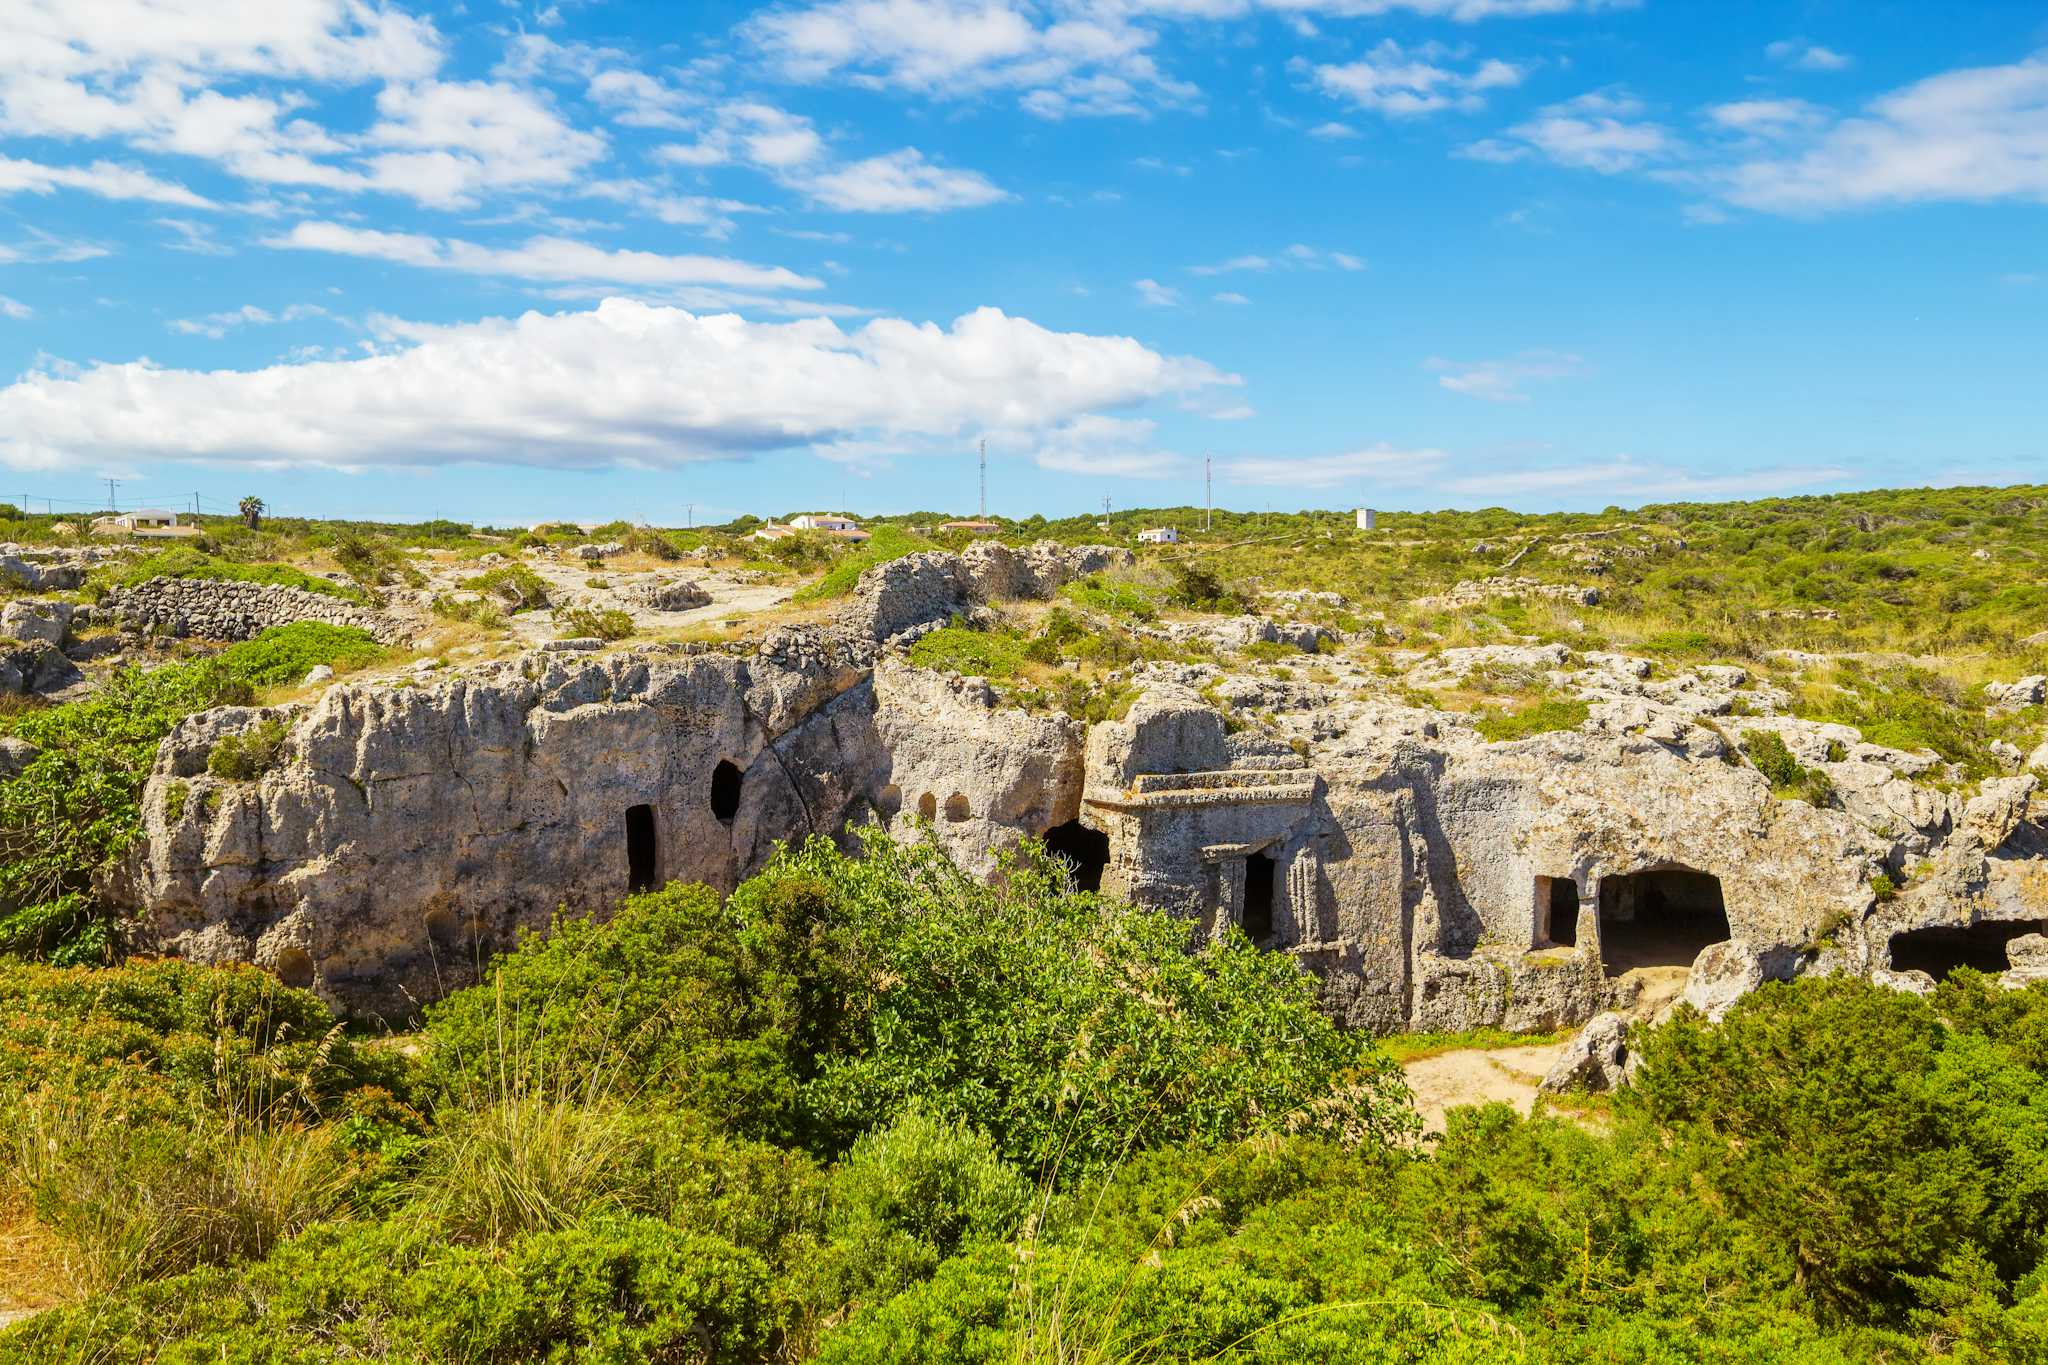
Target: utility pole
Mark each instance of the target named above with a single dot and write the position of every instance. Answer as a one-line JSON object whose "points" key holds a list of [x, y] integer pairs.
{"points": [[1208, 494], [984, 478], [112, 505], [690, 515], [1105, 508]]}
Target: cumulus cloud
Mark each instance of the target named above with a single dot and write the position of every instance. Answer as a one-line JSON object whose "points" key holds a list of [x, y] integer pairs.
{"points": [[1401, 83], [540, 258], [1504, 381], [1764, 116], [452, 140], [625, 382], [16, 309]]}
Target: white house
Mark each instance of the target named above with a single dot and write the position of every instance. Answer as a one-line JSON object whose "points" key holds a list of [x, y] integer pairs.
{"points": [[146, 521], [1159, 535], [1368, 520], [831, 523]]}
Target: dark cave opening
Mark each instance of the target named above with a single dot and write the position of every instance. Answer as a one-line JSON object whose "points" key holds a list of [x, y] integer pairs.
{"points": [[1659, 918], [1087, 850], [643, 859]]}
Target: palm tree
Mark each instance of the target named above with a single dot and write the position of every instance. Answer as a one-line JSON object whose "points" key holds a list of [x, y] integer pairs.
{"points": [[252, 512]]}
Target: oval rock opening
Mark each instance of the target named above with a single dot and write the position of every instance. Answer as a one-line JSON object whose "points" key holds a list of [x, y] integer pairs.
{"points": [[295, 967], [726, 780], [956, 808]]}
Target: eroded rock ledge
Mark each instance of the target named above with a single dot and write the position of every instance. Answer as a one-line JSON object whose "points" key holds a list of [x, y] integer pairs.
{"points": [[1429, 878]]}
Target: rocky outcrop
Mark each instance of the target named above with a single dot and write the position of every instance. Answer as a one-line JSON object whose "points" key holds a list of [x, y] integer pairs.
{"points": [[670, 594], [1241, 632], [1597, 1059], [932, 587], [1473, 593], [1429, 878], [218, 609], [43, 569]]}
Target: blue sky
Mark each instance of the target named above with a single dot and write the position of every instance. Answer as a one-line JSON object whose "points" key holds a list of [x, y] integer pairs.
{"points": [[506, 261]]}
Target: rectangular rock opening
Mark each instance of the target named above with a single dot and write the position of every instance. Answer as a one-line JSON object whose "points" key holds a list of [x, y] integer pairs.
{"points": [[1941, 950], [1659, 918], [1557, 912], [1085, 850], [1257, 919], [643, 860]]}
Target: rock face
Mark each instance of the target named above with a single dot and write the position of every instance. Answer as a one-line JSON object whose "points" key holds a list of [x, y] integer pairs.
{"points": [[214, 609], [1429, 878], [930, 588], [1595, 1060], [48, 570], [48, 622], [675, 594]]}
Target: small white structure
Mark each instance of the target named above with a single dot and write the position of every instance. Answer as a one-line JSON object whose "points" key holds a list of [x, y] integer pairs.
{"points": [[146, 521], [772, 532], [1368, 520], [1159, 535], [832, 524]]}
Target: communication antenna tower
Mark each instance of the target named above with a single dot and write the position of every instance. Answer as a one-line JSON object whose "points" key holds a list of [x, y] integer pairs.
{"points": [[112, 505]]}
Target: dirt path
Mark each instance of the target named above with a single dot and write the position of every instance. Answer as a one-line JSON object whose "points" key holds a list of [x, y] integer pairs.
{"points": [[1478, 1076]]}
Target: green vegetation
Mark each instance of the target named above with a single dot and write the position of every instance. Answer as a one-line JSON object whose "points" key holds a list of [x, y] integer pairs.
{"points": [[75, 808], [886, 544], [247, 756], [1552, 713], [515, 586], [186, 562], [588, 622], [1789, 779], [960, 649], [872, 1110]]}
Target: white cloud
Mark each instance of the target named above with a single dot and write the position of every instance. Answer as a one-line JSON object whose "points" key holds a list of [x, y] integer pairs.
{"points": [[1502, 381], [1299, 256], [1401, 83], [1971, 135], [218, 325], [1381, 461], [103, 178], [1230, 296], [540, 258], [1806, 56], [1764, 116], [1153, 294], [899, 182], [1600, 131], [1331, 132], [15, 308], [1069, 60], [637, 100], [456, 139], [624, 382]]}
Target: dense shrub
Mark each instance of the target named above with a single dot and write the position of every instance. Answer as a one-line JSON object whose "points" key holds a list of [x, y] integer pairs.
{"points": [[1542, 717], [513, 586], [592, 622]]}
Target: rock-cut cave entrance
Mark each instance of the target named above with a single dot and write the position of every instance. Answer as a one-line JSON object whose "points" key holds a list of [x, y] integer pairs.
{"points": [[1257, 919], [1659, 918], [1557, 912], [643, 850], [725, 790], [1085, 849], [1940, 950]]}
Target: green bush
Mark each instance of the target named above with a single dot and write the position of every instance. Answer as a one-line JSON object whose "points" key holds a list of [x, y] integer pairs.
{"points": [[514, 586], [980, 653], [247, 756], [886, 543], [477, 611], [1553, 713], [590, 622], [1788, 778], [285, 654]]}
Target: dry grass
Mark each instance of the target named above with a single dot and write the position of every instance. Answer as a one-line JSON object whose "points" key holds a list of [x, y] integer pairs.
{"points": [[31, 1258]]}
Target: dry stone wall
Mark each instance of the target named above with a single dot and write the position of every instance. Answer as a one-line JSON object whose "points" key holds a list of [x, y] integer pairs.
{"points": [[221, 609]]}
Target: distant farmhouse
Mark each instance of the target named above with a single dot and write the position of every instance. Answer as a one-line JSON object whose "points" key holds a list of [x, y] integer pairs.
{"points": [[831, 523], [1159, 535], [152, 522]]}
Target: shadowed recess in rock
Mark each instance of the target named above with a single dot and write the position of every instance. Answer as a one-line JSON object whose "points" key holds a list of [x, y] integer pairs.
{"points": [[643, 859], [1085, 849], [1941, 950], [1659, 918]]}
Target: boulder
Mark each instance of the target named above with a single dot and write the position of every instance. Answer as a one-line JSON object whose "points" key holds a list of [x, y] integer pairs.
{"points": [[15, 755], [49, 622], [1596, 1059], [672, 594]]}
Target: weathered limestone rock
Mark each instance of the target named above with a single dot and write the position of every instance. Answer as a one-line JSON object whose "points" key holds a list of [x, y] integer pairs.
{"points": [[1470, 593], [934, 586], [214, 609], [1595, 1060], [2031, 690], [674, 594], [48, 622], [15, 755]]}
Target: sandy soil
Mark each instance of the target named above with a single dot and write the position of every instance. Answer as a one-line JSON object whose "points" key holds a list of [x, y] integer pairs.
{"points": [[1477, 1076], [569, 585]]}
